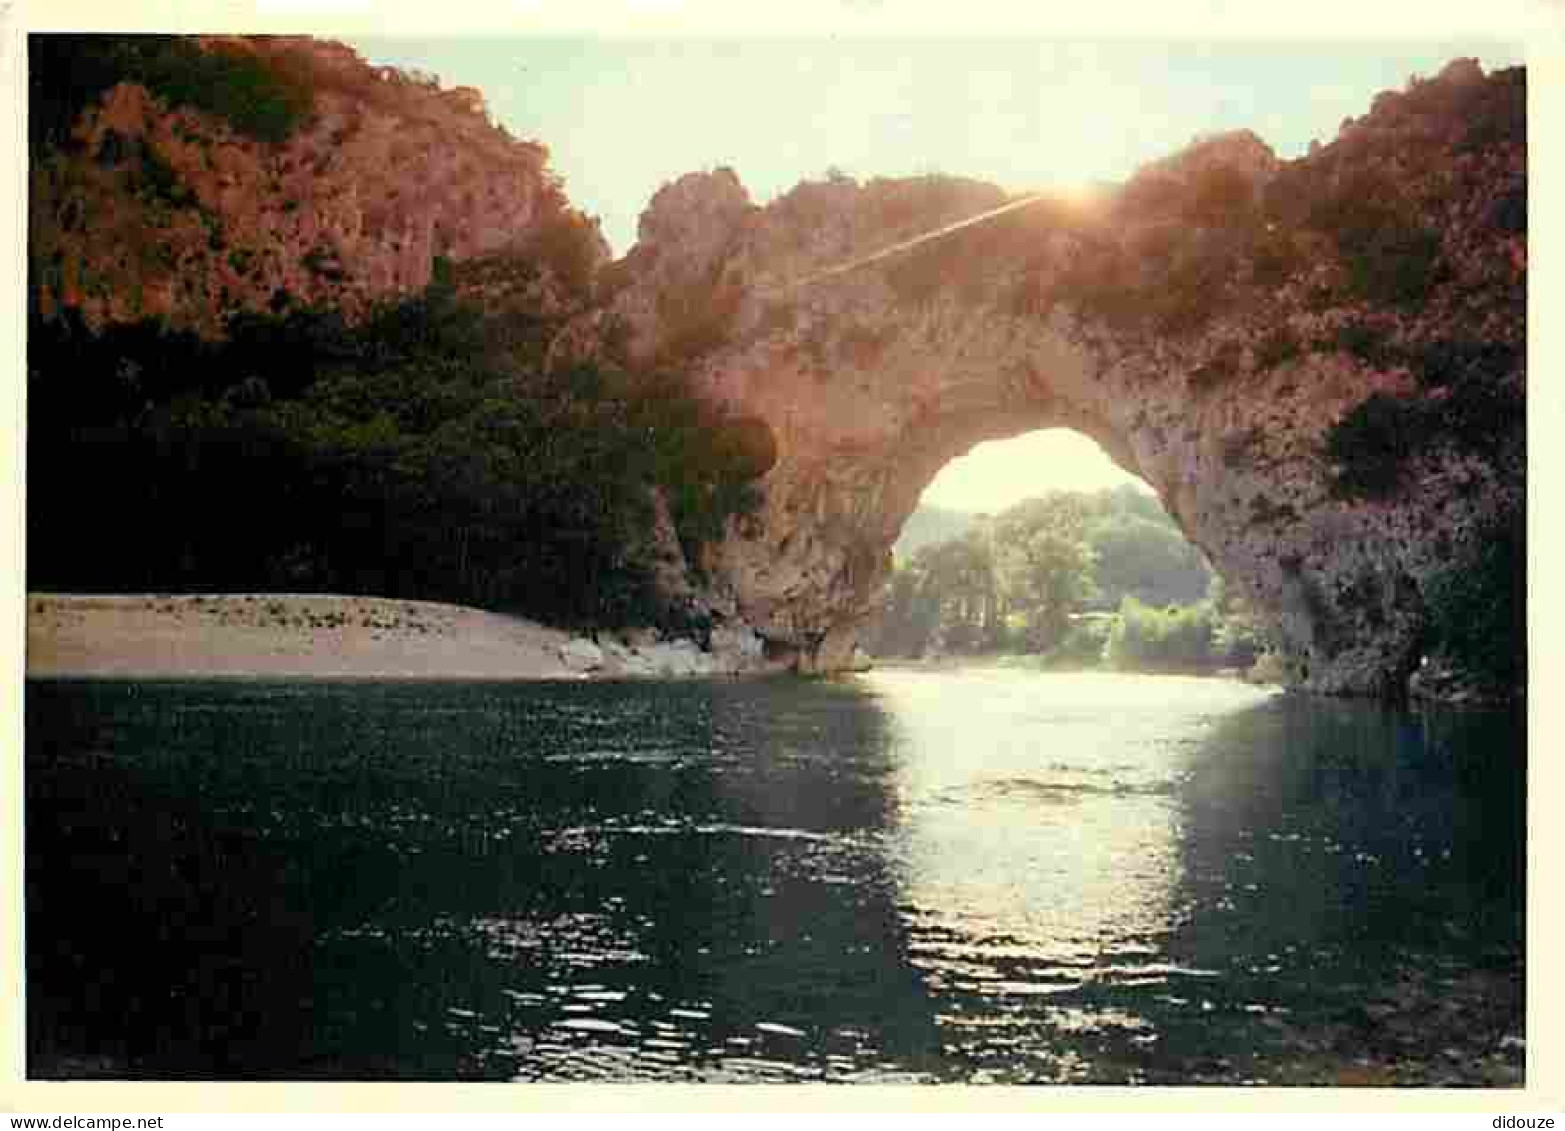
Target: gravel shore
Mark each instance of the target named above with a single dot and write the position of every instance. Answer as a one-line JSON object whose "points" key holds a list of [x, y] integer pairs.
{"points": [[282, 636]]}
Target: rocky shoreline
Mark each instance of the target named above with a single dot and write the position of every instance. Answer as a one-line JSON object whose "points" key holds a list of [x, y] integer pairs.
{"points": [[322, 636]]}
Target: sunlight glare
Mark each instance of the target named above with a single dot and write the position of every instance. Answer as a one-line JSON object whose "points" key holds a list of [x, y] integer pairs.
{"points": [[1001, 473], [1077, 196]]}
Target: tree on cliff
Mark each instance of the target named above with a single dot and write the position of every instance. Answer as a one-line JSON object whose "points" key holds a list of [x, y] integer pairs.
{"points": [[262, 97]]}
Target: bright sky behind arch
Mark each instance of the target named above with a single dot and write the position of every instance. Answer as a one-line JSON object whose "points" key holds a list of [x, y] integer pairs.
{"points": [[623, 116], [1002, 473]]}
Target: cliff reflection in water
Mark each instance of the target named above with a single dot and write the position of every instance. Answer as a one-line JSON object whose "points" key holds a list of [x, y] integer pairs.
{"points": [[1195, 881], [1359, 874], [926, 877]]}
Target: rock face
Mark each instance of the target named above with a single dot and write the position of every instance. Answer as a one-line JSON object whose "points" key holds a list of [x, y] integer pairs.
{"points": [[1319, 365], [732, 650], [160, 210]]}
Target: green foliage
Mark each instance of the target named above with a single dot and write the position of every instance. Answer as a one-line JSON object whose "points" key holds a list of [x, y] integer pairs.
{"points": [[1265, 511], [1478, 607], [159, 184], [1146, 558], [1494, 113], [1047, 572], [930, 524], [946, 598], [1276, 258], [706, 468], [697, 319], [1397, 265], [1288, 195], [1374, 198], [569, 243], [1278, 346], [1193, 290], [1100, 284], [1022, 580], [1486, 417], [1239, 635], [1365, 341], [1238, 642], [1037, 578], [1475, 405], [1149, 639], [1225, 365], [1509, 212], [255, 95], [906, 620], [1371, 444], [1083, 642], [1131, 501], [1388, 256], [1174, 283], [1463, 361], [1218, 195], [417, 455], [322, 260]]}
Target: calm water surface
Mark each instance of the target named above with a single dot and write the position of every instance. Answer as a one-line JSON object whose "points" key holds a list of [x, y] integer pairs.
{"points": [[903, 877]]}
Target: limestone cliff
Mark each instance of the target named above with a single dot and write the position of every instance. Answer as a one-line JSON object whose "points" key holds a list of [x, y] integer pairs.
{"points": [[153, 207], [1319, 365]]}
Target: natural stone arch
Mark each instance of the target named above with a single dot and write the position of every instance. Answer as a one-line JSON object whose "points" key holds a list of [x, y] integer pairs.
{"points": [[1198, 323]]}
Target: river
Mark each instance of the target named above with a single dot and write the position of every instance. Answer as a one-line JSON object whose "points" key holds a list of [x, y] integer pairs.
{"points": [[898, 877]]}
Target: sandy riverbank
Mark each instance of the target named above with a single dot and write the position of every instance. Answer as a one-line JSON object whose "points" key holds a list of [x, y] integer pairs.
{"points": [[283, 636]]}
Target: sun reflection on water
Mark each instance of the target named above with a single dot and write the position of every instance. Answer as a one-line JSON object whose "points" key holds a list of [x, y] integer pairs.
{"points": [[1031, 875]]}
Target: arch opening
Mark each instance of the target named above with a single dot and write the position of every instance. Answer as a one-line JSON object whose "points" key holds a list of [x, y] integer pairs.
{"points": [[1040, 550]]}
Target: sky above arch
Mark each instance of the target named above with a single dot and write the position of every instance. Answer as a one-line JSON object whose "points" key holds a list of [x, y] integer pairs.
{"points": [[623, 115]]}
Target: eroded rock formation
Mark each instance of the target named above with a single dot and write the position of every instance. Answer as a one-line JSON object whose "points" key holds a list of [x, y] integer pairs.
{"points": [[1318, 365], [159, 210]]}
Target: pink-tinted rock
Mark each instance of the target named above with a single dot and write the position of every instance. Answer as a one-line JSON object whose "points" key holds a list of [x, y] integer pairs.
{"points": [[384, 176], [1220, 391]]}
